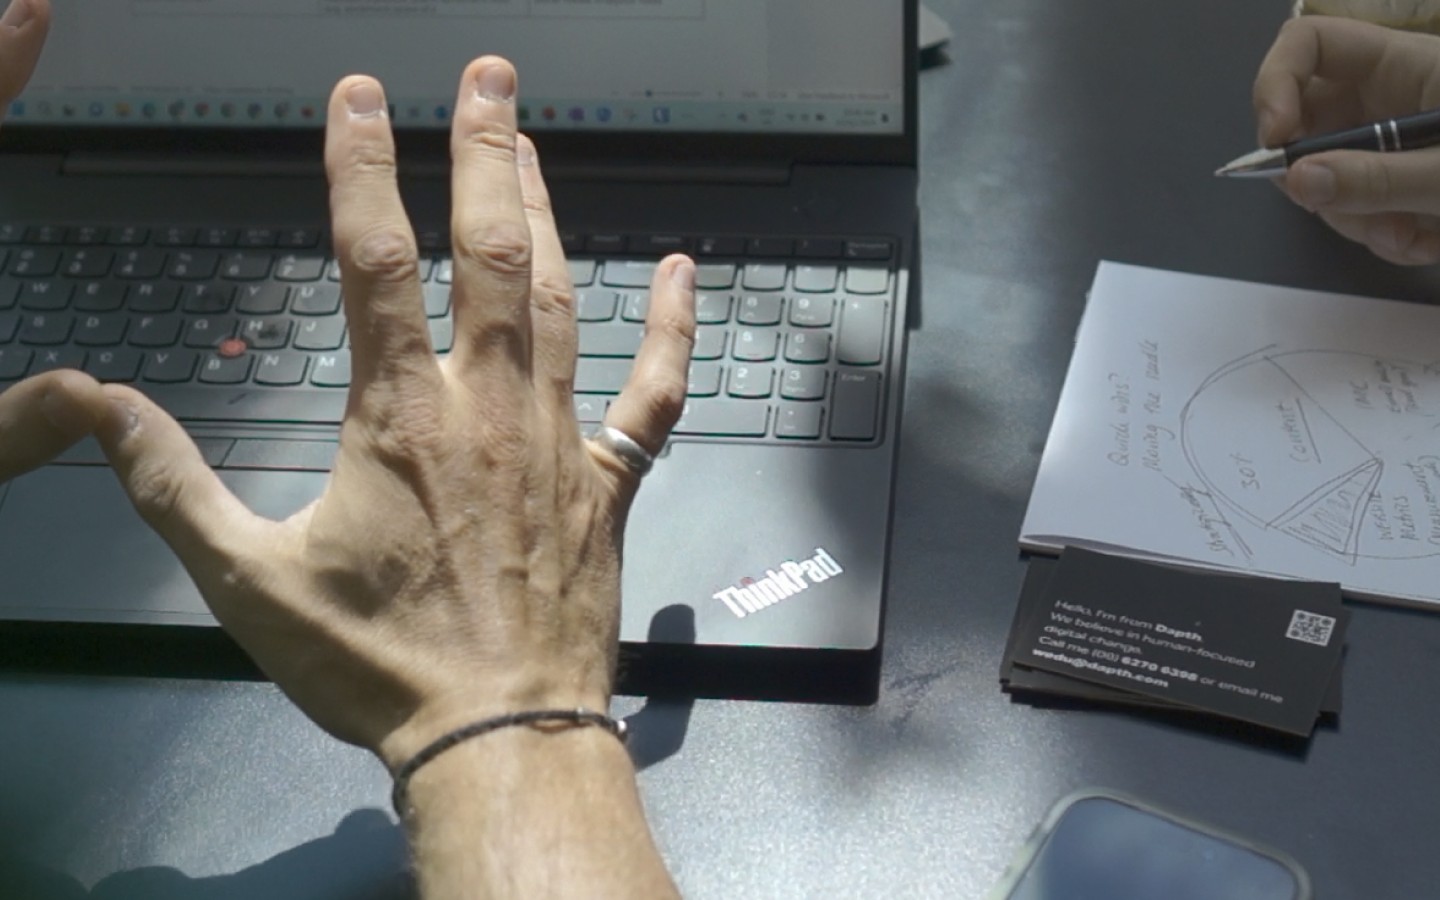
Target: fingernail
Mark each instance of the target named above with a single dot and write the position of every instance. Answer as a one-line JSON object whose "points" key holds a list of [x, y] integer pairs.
{"points": [[524, 153], [17, 14], [63, 414], [496, 83], [1315, 184], [365, 100], [683, 275]]}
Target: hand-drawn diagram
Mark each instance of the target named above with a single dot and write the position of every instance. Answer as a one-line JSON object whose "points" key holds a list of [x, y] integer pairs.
{"points": [[1342, 455]]}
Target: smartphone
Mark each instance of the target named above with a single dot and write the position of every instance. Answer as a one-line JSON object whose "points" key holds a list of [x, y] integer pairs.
{"points": [[1103, 845]]}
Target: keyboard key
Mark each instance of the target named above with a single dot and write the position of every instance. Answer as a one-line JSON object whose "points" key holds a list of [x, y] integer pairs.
{"points": [[206, 298], [595, 305], [87, 263], [281, 369], [127, 236], [140, 264], [114, 365], [298, 405], [711, 308], [45, 295], [704, 379], [611, 340], [244, 266], [590, 410], [298, 238], [658, 244], [724, 418], [215, 237], [277, 454], [270, 333], [262, 299], [628, 273], [11, 233], [819, 248], [152, 297], [582, 272], [854, 407], [720, 246], [300, 268], [798, 421], [9, 324], [862, 332], [193, 265], [442, 334], [806, 383], [175, 236], [709, 343], [437, 299], [759, 310], [763, 277], [605, 243], [216, 369], [96, 296], [88, 235], [753, 382], [331, 369], [34, 262], [807, 347], [52, 358], [572, 242], [14, 363], [866, 280], [755, 344], [770, 247], [170, 366], [101, 331], [45, 234], [315, 300], [257, 238], [9, 292], [208, 331], [816, 279], [155, 331], [812, 312], [714, 276], [443, 272], [432, 240], [46, 329], [634, 307], [876, 250], [601, 376]]}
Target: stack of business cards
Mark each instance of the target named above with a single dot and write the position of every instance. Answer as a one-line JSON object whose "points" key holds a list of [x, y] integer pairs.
{"points": [[1115, 630]]}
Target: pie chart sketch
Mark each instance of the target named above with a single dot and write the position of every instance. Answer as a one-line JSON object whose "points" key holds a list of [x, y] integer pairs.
{"points": [[1335, 449]]}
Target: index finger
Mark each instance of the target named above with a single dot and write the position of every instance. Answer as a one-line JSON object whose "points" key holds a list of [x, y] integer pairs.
{"points": [[22, 35], [1307, 48], [43, 415]]}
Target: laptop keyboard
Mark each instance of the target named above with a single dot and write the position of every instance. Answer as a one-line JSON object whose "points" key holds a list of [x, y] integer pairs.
{"points": [[245, 326]]}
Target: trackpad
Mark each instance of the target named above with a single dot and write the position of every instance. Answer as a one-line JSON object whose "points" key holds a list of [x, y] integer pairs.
{"points": [[73, 549]]}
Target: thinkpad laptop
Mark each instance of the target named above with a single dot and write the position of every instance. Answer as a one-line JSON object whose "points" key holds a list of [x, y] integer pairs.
{"points": [[161, 192]]}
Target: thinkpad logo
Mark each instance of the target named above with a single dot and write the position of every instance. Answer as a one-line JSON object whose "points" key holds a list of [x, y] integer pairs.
{"points": [[754, 594]]}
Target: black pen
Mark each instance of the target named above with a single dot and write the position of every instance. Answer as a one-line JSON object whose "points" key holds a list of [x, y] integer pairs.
{"points": [[1387, 136]]}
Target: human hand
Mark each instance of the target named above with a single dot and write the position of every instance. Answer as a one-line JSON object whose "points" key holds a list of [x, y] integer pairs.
{"points": [[41, 416], [1324, 74], [464, 560]]}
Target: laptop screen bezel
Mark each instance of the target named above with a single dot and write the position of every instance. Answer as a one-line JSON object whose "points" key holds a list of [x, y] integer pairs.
{"points": [[635, 147]]}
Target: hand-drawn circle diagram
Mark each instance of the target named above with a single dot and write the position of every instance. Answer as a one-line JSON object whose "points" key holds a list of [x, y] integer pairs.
{"points": [[1335, 449]]}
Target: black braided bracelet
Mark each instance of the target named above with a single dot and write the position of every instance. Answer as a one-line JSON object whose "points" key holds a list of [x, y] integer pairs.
{"points": [[576, 717]]}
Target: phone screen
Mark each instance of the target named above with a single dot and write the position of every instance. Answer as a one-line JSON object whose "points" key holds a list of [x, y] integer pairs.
{"points": [[1104, 849]]}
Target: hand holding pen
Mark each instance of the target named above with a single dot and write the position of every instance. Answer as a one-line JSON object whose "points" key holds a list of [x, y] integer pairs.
{"points": [[1322, 78]]}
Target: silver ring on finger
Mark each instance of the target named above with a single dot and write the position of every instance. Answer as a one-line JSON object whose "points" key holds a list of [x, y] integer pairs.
{"points": [[635, 457]]}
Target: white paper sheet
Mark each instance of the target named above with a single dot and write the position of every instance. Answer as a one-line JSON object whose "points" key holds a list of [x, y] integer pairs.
{"points": [[1249, 427]]}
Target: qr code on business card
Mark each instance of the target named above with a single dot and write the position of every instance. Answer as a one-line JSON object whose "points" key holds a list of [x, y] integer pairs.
{"points": [[1312, 628]]}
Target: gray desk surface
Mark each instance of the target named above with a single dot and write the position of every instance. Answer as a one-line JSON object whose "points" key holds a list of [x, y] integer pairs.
{"points": [[1058, 134]]}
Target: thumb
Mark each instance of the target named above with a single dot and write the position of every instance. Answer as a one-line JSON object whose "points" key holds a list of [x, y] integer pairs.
{"points": [[1356, 181], [22, 35], [171, 486]]}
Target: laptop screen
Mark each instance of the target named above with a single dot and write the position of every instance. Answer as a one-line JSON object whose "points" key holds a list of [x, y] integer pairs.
{"points": [[804, 67]]}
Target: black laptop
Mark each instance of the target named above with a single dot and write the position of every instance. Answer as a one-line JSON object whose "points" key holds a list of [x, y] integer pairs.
{"points": [[163, 222]]}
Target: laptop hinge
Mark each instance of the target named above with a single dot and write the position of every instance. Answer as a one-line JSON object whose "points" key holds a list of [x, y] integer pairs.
{"points": [[689, 173], [212, 165]]}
